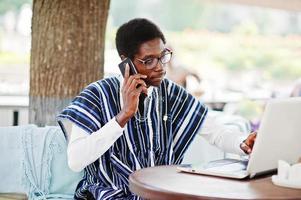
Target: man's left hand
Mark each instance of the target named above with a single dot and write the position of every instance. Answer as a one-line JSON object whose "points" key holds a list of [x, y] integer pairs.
{"points": [[247, 144]]}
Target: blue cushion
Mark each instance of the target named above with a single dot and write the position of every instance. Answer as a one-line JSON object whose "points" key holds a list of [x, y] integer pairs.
{"points": [[11, 154], [63, 180], [34, 161]]}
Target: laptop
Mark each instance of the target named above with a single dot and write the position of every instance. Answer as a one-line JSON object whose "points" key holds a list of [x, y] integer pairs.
{"points": [[278, 138]]}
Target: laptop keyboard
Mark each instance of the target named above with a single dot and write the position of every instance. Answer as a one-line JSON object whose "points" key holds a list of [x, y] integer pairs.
{"points": [[226, 165]]}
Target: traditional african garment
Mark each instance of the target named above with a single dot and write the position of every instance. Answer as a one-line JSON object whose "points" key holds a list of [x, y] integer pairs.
{"points": [[159, 137]]}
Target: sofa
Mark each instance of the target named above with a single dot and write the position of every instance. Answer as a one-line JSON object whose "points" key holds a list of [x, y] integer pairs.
{"points": [[33, 161]]}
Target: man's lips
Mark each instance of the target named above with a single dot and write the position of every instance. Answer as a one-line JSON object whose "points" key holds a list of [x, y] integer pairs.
{"points": [[158, 75], [156, 78]]}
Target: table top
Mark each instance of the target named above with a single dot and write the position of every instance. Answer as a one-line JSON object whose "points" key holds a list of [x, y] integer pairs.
{"points": [[166, 182]]}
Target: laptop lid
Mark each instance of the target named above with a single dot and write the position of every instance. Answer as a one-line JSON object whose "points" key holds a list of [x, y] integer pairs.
{"points": [[278, 137]]}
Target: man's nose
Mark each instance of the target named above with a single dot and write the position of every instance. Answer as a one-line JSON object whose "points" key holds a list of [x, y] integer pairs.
{"points": [[159, 66]]}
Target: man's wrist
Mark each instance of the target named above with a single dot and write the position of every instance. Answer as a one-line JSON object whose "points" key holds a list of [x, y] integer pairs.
{"points": [[122, 118], [245, 147]]}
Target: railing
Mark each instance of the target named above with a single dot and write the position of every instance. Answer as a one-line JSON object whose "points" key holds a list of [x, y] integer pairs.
{"points": [[13, 110]]}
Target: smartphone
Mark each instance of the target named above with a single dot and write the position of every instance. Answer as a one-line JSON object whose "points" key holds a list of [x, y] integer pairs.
{"points": [[132, 71], [131, 65]]}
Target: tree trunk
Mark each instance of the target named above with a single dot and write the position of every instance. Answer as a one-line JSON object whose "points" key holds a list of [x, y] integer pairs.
{"points": [[67, 53]]}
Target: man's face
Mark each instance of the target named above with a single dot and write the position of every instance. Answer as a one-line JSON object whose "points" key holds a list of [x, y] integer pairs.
{"points": [[148, 50]]}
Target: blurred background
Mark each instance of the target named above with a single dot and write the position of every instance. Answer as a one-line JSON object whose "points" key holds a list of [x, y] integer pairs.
{"points": [[231, 56]]}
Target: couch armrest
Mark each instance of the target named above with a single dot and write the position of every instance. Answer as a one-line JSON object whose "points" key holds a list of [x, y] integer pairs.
{"points": [[10, 196]]}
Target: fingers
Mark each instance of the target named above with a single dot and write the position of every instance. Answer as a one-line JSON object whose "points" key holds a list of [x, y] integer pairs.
{"points": [[133, 85], [137, 87], [253, 134], [134, 78], [137, 77], [142, 89], [245, 148], [136, 83], [251, 139], [248, 144], [126, 72]]}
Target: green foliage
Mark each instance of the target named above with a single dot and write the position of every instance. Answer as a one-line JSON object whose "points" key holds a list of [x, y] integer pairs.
{"points": [[173, 15], [6, 5], [123, 11], [250, 109], [178, 15], [7, 58], [277, 57]]}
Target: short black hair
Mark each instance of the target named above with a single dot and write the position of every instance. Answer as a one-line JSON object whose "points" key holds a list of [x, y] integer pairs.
{"points": [[132, 34]]}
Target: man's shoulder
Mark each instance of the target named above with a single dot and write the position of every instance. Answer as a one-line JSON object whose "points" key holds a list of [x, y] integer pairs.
{"points": [[107, 82], [167, 82], [170, 84]]}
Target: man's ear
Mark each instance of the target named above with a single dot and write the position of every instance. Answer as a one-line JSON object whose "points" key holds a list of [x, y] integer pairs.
{"points": [[122, 57]]}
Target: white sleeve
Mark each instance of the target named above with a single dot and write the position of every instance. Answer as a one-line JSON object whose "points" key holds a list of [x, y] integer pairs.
{"points": [[83, 149], [226, 137]]}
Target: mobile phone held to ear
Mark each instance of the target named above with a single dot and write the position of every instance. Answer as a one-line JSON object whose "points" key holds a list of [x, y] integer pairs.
{"points": [[131, 65], [132, 71]]}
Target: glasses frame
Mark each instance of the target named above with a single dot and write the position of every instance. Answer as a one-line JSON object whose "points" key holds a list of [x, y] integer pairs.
{"points": [[169, 51]]}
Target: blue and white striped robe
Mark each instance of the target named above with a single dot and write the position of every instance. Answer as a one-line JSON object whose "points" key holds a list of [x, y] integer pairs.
{"points": [[173, 119]]}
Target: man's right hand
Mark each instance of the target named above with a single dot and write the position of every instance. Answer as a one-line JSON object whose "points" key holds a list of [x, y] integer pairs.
{"points": [[247, 144], [131, 89]]}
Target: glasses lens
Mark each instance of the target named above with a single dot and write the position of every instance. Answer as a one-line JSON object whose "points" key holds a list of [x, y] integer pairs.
{"points": [[151, 63], [165, 58]]}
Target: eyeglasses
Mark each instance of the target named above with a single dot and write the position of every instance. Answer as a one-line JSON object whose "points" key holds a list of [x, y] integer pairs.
{"points": [[151, 63]]}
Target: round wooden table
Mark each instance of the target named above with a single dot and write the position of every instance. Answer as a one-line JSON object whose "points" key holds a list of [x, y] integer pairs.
{"points": [[166, 182]]}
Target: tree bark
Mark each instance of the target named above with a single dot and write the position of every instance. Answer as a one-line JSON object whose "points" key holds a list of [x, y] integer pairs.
{"points": [[67, 53]]}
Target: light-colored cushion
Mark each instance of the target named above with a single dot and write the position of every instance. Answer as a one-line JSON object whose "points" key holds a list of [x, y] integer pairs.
{"points": [[11, 159], [34, 161], [63, 180]]}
